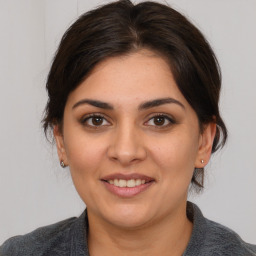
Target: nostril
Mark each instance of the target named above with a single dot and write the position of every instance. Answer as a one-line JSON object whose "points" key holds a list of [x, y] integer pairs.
{"points": [[126, 147]]}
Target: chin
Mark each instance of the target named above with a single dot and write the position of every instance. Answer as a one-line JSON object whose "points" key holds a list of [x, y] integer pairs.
{"points": [[129, 217]]}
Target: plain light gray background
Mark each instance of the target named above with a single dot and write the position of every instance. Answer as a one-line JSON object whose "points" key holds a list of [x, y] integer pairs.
{"points": [[35, 191]]}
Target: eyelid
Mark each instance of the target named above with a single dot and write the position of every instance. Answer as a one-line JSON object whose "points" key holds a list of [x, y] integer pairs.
{"points": [[166, 116], [85, 118]]}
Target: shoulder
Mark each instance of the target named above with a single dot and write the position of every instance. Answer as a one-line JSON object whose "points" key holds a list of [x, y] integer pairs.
{"points": [[40, 241], [226, 240], [212, 238]]}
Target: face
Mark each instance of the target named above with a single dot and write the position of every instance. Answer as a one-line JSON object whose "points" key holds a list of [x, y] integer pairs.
{"points": [[132, 141]]}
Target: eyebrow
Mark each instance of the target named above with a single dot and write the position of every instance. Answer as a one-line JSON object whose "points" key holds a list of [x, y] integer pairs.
{"points": [[159, 102], [95, 103], [142, 106]]}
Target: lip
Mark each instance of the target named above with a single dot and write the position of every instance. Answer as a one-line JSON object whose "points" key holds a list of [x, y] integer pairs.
{"points": [[127, 192]]}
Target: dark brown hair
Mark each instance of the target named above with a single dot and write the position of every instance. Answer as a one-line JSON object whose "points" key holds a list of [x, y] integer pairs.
{"points": [[119, 28]]}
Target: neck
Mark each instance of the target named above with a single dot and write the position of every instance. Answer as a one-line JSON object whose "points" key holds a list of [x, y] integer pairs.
{"points": [[168, 236]]}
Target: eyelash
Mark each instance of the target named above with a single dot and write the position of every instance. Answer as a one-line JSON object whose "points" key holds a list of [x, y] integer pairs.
{"points": [[90, 116], [166, 117]]}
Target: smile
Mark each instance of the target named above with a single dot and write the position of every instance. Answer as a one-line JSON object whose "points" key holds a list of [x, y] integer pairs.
{"points": [[127, 185]]}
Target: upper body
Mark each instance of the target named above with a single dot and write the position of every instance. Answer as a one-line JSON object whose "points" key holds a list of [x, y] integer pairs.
{"points": [[133, 107], [69, 238]]}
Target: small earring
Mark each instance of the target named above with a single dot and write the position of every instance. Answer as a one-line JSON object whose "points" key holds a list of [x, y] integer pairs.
{"points": [[202, 161], [62, 164]]}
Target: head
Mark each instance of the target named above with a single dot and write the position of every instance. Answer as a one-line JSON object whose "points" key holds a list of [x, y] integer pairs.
{"points": [[108, 43]]}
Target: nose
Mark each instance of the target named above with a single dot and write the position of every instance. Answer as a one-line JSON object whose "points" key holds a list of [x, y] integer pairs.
{"points": [[126, 146]]}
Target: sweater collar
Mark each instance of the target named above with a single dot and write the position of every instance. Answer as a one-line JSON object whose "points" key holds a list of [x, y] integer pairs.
{"points": [[79, 231], [195, 215]]}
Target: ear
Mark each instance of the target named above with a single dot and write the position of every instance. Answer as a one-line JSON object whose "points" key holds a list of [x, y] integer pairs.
{"points": [[59, 139], [205, 145]]}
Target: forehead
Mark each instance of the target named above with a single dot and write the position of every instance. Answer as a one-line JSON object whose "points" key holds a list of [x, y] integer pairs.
{"points": [[131, 78]]}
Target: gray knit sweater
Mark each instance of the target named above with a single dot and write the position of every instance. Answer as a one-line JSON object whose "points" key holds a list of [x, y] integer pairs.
{"points": [[69, 238]]}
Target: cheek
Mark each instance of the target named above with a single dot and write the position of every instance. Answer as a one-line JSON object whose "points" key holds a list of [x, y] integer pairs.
{"points": [[175, 154], [85, 155], [83, 150]]}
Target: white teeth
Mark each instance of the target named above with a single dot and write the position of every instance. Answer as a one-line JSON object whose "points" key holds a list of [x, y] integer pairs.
{"points": [[130, 183], [138, 182], [122, 183], [126, 183], [116, 182]]}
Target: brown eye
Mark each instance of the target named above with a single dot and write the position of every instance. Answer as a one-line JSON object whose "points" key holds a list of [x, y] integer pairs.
{"points": [[159, 120], [97, 120]]}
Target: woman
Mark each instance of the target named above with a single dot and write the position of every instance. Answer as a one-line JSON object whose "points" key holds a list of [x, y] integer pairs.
{"points": [[133, 106]]}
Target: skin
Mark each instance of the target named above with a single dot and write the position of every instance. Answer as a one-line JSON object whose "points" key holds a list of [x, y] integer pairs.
{"points": [[127, 141]]}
